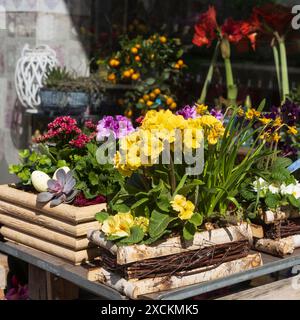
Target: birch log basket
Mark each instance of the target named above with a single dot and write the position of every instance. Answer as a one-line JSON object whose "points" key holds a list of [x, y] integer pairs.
{"points": [[171, 263], [281, 232], [60, 231]]}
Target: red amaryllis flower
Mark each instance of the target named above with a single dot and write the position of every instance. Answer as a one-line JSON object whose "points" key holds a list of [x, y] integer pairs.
{"points": [[205, 29], [236, 31], [275, 17]]}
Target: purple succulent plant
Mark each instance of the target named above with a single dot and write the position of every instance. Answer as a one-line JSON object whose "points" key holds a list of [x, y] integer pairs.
{"points": [[60, 190]]}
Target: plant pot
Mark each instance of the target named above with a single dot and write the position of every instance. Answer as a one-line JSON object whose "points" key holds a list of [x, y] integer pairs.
{"points": [[280, 232], [60, 231], [56, 101], [137, 270]]}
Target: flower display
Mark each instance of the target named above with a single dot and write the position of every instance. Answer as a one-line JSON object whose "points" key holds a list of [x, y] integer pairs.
{"points": [[118, 225]]}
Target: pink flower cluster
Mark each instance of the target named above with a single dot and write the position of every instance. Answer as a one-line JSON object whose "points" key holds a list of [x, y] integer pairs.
{"points": [[64, 129]]}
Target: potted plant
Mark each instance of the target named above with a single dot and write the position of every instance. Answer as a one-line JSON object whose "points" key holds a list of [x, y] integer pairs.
{"points": [[65, 93], [163, 216]]}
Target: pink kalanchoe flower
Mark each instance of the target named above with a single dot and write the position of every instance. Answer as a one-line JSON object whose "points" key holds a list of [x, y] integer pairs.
{"points": [[80, 141], [119, 126]]}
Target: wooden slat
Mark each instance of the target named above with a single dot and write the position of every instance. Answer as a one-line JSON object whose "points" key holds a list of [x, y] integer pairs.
{"points": [[3, 271], [74, 243], [286, 289], [64, 211], [75, 257], [47, 221]]}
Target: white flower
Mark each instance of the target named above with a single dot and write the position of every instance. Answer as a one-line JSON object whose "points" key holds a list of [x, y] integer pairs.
{"points": [[293, 189], [273, 189], [261, 185]]}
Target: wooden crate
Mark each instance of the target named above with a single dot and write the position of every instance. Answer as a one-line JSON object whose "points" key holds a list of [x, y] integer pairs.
{"points": [[125, 273], [60, 231]]}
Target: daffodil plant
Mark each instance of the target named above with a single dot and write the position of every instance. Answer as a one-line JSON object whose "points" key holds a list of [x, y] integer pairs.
{"points": [[163, 195]]}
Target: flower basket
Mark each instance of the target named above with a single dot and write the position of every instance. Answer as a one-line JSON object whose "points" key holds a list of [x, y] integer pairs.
{"points": [[281, 232], [60, 231], [64, 102], [139, 269]]}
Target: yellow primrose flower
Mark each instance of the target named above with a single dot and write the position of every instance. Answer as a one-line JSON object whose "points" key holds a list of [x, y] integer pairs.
{"points": [[118, 225], [213, 128], [142, 222], [292, 130], [183, 206], [121, 166], [277, 122], [192, 138], [265, 120], [201, 109]]}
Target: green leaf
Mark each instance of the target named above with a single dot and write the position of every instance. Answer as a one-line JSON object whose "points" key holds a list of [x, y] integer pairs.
{"points": [[293, 201], [61, 163], [180, 185], [139, 203], [150, 81], [189, 187], [158, 223], [101, 216], [120, 206], [179, 53], [23, 154], [136, 236], [189, 230], [152, 240], [272, 200], [196, 219], [93, 178], [282, 162]]}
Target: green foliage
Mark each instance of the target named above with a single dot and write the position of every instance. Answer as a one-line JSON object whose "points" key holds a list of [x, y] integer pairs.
{"points": [[29, 162], [92, 178]]}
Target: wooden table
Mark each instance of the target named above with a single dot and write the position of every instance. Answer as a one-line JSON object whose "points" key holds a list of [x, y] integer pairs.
{"points": [[56, 268]]}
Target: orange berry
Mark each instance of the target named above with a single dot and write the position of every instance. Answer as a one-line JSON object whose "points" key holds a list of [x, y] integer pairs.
{"points": [[141, 100], [138, 46], [173, 105], [169, 101], [128, 113], [177, 66], [157, 91], [149, 103], [112, 62], [180, 62], [152, 95], [137, 58], [131, 71], [117, 63], [145, 97], [126, 74], [163, 39], [134, 50], [135, 76], [111, 77]]}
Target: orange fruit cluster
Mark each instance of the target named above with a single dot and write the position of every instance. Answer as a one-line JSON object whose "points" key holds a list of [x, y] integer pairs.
{"points": [[179, 64], [130, 73]]}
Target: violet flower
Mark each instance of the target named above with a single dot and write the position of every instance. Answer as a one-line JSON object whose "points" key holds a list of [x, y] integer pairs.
{"points": [[217, 114], [119, 126], [187, 112]]}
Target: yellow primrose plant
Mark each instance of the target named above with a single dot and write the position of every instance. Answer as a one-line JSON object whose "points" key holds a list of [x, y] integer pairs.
{"points": [[181, 174]]}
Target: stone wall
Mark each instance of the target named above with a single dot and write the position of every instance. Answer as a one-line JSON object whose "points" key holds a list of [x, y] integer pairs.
{"points": [[56, 23]]}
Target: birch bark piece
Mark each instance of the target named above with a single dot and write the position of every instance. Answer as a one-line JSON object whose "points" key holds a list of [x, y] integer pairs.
{"points": [[135, 288], [63, 211], [76, 257], [132, 253], [45, 233], [279, 247], [272, 216], [47, 221]]}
